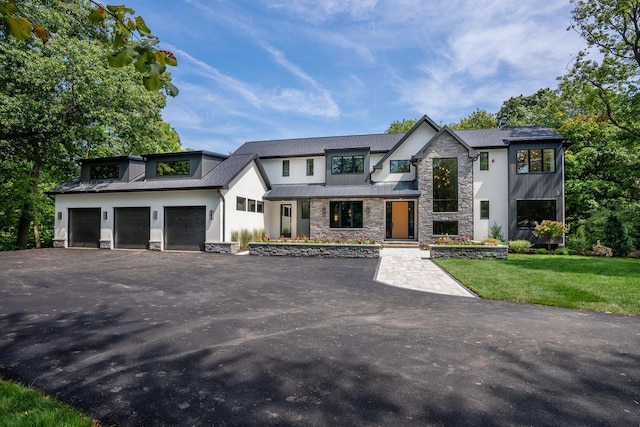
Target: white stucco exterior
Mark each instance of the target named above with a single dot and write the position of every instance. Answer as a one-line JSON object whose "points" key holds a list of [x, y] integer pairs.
{"points": [[491, 185], [297, 170]]}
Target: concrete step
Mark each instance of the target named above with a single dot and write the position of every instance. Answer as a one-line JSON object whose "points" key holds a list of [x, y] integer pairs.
{"points": [[400, 244]]}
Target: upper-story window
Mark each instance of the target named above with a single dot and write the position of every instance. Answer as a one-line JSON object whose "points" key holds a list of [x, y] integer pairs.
{"points": [[173, 167], [347, 164], [285, 168], [309, 167], [445, 184], [111, 171], [400, 166], [484, 161], [536, 160]]}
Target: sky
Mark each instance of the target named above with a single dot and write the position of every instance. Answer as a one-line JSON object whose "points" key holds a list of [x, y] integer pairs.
{"points": [[274, 69]]}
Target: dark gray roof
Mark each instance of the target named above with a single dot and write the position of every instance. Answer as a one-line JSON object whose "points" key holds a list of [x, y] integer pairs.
{"points": [[501, 137], [318, 191], [219, 177], [317, 146], [447, 130]]}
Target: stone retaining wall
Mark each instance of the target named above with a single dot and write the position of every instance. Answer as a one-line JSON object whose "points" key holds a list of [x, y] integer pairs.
{"points": [[222, 247], [315, 249], [469, 251]]}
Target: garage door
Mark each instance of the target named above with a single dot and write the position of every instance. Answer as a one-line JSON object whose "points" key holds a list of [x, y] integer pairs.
{"points": [[84, 227], [184, 228], [131, 228]]}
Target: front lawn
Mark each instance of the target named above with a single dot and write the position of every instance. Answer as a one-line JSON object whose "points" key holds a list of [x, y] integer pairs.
{"points": [[588, 283]]}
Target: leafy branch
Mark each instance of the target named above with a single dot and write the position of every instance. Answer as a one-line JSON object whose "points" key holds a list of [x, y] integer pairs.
{"points": [[132, 41]]}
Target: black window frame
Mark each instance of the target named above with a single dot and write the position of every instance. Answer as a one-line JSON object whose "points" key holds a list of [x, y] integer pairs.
{"points": [[175, 166], [339, 214], [241, 203], [105, 171], [259, 206], [484, 160], [528, 212], [251, 205], [440, 203], [286, 167], [439, 228], [397, 169], [484, 209], [539, 165], [310, 167], [349, 165]]}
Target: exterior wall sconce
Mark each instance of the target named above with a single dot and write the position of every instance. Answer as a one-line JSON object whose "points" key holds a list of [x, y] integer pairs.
{"points": [[59, 215], [155, 214], [211, 214], [104, 215]]}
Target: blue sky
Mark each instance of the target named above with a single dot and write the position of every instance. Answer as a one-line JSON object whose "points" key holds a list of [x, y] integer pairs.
{"points": [[272, 69]]}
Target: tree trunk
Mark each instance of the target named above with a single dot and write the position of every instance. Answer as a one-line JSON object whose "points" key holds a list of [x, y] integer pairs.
{"points": [[29, 209]]}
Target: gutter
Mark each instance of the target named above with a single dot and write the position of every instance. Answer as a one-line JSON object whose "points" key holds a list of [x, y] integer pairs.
{"points": [[224, 216]]}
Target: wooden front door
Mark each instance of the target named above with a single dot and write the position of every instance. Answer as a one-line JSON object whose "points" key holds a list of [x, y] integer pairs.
{"points": [[399, 220]]}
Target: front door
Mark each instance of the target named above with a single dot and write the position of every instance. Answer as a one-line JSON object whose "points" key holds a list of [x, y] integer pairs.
{"points": [[304, 223], [285, 220], [400, 217]]}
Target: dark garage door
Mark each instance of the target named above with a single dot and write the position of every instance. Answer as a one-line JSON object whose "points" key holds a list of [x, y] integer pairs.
{"points": [[132, 228], [84, 227], [184, 228]]}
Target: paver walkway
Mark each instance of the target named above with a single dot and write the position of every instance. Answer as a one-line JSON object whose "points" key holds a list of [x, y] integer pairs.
{"points": [[412, 269]]}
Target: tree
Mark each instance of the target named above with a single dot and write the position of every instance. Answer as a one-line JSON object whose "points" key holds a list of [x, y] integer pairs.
{"points": [[59, 103], [543, 108], [479, 119], [613, 28], [615, 235], [550, 230], [403, 126], [131, 38]]}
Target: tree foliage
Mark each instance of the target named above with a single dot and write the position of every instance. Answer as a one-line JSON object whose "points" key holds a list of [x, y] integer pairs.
{"points": [[403, 126], [60, 102]]}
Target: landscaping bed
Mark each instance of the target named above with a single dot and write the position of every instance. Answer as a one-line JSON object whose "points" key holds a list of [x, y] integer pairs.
{"points": [[327, 250], [469, 251]]}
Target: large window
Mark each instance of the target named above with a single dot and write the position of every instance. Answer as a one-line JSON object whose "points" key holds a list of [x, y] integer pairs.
{"points": [[532, 211], [536, 161], [400, 166], [111, 171], [441, 228], [285, 168], [346, 214], [445, 185], [484, 160], [173, 167], [347, 164], [309, 167]]}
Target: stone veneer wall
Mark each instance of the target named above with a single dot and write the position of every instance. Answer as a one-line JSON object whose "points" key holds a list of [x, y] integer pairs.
{"points": [[445, 146], [222, 247], [469, 251], [372, 222], [314, 249]]}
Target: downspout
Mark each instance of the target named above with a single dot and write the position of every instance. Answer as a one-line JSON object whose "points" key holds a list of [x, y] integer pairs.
{"points": [[564, 199], [224, 216]]}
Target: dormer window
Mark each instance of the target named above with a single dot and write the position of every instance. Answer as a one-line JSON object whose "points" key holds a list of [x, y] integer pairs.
{"points": [[347, 164], [173, 168], [109, 171]]}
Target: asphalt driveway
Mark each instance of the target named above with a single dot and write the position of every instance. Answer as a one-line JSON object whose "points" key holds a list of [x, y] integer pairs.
{"points": [[149, 338]]}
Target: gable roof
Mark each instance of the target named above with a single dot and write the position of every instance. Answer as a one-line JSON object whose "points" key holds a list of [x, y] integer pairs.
{"points": [[472, 153], [377, 143], [218, 178], [425, 119]]}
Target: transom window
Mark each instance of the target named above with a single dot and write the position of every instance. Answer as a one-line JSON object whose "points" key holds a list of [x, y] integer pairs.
{"points": [[531, 211], [536, 161], [400, 166], [347, 164], [173, 167], [111, 171], [445, 184], [346, 214]]}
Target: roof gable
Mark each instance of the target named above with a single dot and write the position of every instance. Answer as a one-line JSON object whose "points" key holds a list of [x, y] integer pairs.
{"points": [[422, 153], [424, 121]]}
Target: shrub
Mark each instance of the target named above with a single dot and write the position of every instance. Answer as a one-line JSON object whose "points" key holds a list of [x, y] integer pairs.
{"points": [[550, 230], [634, 254], [578, 242], [561, 251], [235, 236], [495, 232], [520, 246], [541, 251], [601, 250], [615, 235]]}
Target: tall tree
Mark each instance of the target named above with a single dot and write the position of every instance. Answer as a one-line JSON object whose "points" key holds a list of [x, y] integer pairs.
{"points": [[401, 126], [59, 102], [479, 119], [543, 108]]}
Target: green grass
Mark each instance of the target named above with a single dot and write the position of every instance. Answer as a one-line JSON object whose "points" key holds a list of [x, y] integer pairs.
{"points": [[22, 406], [610, 285]]}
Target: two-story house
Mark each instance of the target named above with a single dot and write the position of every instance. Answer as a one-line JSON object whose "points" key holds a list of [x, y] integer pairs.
{"points": [[416, 186]]}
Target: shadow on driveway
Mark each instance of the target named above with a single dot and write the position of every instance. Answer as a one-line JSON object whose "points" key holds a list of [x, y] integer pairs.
{"points": [[144, 338]]}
